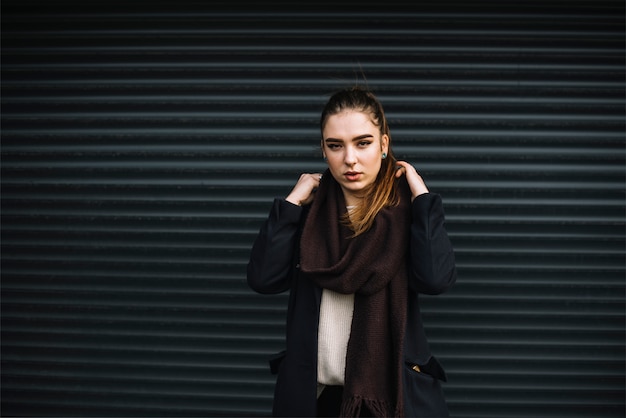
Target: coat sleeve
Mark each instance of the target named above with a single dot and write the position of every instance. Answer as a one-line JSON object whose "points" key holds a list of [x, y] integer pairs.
{"points": [[432, 266], [270, 265]]}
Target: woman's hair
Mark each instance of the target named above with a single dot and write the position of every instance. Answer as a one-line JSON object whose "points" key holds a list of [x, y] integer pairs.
{"points": [[383, 192]]}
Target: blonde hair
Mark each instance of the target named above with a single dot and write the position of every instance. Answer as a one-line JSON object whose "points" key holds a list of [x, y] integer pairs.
{"points": [[383, 192]]}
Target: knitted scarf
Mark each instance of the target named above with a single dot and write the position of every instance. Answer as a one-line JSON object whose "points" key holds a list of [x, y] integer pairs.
{"points": [[373, 266]]}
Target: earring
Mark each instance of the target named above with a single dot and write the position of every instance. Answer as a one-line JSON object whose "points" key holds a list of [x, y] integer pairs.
{"points": [[384, 155], [325, 158]]}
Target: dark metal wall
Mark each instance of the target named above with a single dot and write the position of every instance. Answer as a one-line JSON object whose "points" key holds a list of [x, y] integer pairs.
{"points": [[142, 147]]}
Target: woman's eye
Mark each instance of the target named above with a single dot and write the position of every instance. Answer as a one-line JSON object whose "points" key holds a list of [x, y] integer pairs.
{"points": [[333, 146], [364, 143]]}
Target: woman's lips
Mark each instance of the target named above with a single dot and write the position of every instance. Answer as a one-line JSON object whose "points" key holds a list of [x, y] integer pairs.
{"points": [[352, 175]]}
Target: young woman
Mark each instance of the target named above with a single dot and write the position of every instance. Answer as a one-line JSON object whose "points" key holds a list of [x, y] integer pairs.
{"points": [[354, 246]]}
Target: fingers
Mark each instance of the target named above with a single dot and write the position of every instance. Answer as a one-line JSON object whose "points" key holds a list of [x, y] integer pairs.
{"points": [[416, 183], [402, 167], [311, 180], [302, 192]]}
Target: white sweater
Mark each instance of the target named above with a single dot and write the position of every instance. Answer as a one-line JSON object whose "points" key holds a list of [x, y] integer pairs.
{"points": [[335, 323]]}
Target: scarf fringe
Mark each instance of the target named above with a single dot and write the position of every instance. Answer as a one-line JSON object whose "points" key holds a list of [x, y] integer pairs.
{"points": [[352, 407]]}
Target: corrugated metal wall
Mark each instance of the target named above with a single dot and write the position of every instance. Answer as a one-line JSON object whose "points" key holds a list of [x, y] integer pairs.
{"points": [[142, 147]]}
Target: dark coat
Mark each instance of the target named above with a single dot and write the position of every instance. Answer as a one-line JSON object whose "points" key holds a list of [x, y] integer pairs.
{"points": [[274, 268]]}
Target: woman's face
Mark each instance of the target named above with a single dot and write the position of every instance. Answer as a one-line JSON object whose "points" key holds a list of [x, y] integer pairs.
{"points": [[353, 147]]}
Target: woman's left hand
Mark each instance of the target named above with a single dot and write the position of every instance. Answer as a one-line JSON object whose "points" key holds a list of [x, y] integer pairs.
{"points": [[416, 183]]}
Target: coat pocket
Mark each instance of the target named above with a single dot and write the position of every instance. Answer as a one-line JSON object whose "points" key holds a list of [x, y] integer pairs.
{"points": [[432, 367], [275, 360], [423, 395]]}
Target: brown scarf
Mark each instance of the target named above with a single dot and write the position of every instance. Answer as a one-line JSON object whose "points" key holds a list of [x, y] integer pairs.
{"points": [[373, 266]]}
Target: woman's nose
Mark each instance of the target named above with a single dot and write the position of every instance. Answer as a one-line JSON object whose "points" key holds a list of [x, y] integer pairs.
{"points": [[350, 156]]}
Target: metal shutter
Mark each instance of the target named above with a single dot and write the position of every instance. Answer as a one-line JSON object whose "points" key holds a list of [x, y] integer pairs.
{"points": [[142, 147]]}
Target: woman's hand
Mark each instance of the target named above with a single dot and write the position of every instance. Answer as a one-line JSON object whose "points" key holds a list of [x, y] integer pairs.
{"points": [[302, 193], [416, 183]]}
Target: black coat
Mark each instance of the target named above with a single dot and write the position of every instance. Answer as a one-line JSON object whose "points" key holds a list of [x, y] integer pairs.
{"points": [[274, 268]]}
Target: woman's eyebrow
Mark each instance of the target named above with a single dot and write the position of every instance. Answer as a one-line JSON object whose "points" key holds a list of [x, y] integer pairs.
{"points": [[333, 140], [356, 138]]}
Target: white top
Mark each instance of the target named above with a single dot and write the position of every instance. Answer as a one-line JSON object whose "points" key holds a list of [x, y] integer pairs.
{"points": [[335, 323]]}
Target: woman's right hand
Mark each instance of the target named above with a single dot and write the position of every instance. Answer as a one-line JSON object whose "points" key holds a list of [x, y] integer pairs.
{"points": [[303, 192]]}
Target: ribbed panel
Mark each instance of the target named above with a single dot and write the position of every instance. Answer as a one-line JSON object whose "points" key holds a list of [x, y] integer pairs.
{"points": [[141, 150]]}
